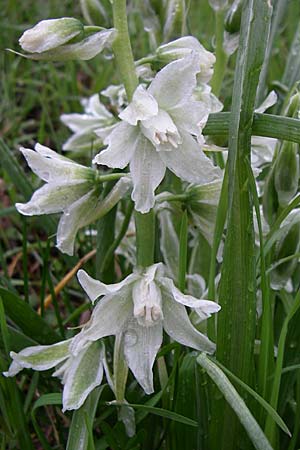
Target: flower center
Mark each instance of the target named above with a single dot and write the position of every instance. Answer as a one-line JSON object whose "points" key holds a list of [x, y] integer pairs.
{"points": [[161, 131], [147, 303]]}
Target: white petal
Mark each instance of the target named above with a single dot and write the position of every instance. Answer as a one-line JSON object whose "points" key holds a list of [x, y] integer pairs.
{"points": [[122, 142], [147, 170], [270, 100], [141, 345], [80, 122], [42, 357], [49, 34], [109, 317], [190, 116], [85, 211], [97, 109], [13, 369], [52, 198], [85, 49], [50, 166], [84, 374], [189, 300], [189, 162], [143, 106], [95, 288], [175, 83], [178, 326]]}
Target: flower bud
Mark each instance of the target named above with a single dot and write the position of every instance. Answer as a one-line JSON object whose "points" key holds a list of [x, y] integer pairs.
{"points": [[233, 17], [287, 172], [184, 46], [49, 34], [93, 12], [218, 5], [293, 107], [64, 39]]}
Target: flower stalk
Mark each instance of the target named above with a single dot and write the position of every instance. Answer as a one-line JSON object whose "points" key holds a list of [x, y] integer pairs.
{"points": [[145, 223]]}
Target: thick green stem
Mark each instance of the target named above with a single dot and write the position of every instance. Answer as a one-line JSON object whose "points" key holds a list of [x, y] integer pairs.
{"points": [[144, 223], [122, 49], [145, 238]]}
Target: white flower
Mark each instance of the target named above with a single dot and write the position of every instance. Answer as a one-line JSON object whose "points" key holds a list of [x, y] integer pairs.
{"points": [[156, 134], [95, 117], [72, 189], [185, 46], [140, 307], [79, 374], [51, 40]]}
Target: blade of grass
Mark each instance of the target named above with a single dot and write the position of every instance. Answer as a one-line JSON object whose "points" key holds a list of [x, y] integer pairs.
{"points": [[238, 405], [270, 429], [236, 320]]}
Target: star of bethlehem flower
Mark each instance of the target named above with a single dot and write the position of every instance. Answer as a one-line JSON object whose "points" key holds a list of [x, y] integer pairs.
{"points": [[70, 188], [156, 133], [79, 374], [64, 39], [140, 307], [84, 126]]}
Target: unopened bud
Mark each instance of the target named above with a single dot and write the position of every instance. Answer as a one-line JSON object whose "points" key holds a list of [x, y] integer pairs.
{"points": [[64, 39], [287, 172], [179, 48], [49, 34], [218, 5]]}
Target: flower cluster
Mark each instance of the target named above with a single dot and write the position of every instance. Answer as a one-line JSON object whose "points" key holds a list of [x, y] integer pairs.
{"points": [[160, 128]]}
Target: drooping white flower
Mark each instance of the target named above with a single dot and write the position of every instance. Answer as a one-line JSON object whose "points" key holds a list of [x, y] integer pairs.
{"points": [[84, 126], [79, 374], [185, 46], [140, 307], [72, 189], [157, 132], [51, 40]]}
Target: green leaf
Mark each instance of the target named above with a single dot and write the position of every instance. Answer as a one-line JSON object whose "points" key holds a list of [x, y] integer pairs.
{"points": [[270, 425], [159, 412], [271, 411], [268, 125], [79, 435], [27, 319], [237, 318], [238, 405]]}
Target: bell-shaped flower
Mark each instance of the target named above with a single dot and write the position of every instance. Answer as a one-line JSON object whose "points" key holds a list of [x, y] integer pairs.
{"points": [[84, 126], [64, 39], [79, 374], [72, 189], [140, 307], [157, 132], [183, 47]]}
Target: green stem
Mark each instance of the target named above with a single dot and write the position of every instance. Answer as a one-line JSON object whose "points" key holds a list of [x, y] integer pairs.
{"points": [[183, 241], [145, 238], [122, 48], [144, 223]]}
